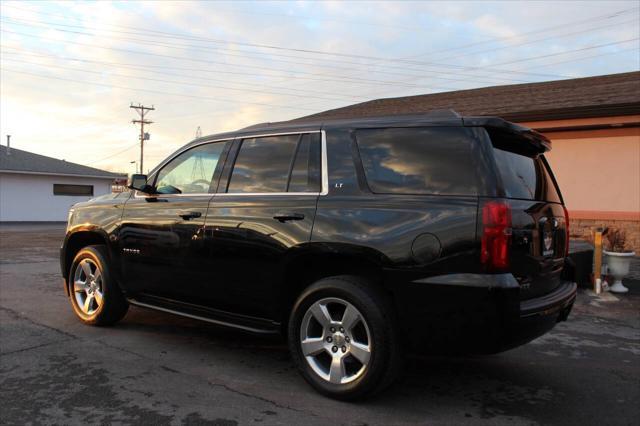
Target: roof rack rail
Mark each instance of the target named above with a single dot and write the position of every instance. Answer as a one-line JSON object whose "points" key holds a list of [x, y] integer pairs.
{"points": [[443, 113], [255, 126]]}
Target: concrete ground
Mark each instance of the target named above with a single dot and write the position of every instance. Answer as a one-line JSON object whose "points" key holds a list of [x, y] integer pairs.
{"points": [[154, 368]]}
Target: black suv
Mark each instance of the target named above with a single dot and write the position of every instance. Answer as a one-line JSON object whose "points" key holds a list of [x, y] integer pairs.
{"points": [[360, 240]]}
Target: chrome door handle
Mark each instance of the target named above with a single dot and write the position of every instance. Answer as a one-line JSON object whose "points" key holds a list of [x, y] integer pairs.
{"points": [[187, 215], [284, 217]]}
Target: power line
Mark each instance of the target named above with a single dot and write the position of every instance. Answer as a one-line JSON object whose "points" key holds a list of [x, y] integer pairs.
{"points": [[113, 155], [178, 82], [290, 106], [541, 30], [290, 16], [153, 70], [353, 80], [276, 69], [207, 98], [377, 59], [287, 71], [174, 35], [322, 62], [432, 73], [409, 75], [633, 49], [597, 46], [588, 30]]}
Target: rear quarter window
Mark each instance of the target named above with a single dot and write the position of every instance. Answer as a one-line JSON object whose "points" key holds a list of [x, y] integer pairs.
{"points": [[525, 177], [434, 160]]}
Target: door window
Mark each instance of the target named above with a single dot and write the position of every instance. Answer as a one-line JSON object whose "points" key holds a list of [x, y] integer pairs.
{"points": [[305, 174], [286, 163], [190, 172]]}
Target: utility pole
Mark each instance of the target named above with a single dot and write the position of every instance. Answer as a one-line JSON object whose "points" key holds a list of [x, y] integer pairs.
{"points": [[142, 111]]}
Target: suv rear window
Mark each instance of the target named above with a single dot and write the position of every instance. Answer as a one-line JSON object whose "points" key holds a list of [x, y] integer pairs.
{"points": [[433, 160], [525, 177]]}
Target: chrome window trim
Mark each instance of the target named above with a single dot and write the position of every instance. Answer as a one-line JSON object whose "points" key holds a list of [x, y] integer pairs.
{"points": [[324, 169]]}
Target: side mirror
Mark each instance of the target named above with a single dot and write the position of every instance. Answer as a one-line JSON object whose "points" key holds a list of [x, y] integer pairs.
{"points": [[139, 183]]}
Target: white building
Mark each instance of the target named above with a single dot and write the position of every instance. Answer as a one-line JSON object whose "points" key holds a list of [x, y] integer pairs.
{"points": [[41, 189]]}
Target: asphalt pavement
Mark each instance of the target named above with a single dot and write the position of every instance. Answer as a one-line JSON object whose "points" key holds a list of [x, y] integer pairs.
{"points": [[155, 368]]}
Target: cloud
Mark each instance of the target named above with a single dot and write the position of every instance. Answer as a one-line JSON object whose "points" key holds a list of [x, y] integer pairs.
{"points": [[196, 55]]}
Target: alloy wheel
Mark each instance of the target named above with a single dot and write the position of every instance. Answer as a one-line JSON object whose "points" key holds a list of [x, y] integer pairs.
{"points": [[335, 340], [87, 286]]}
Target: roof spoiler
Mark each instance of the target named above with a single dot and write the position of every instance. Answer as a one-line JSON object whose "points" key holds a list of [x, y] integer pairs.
{"points": [[536, 143]]}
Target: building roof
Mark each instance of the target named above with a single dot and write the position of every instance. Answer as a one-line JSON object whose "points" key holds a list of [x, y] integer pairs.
{"points": [[607, 95], [19, 161]]}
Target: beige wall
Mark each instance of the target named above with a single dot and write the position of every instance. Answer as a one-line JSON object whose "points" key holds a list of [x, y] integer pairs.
{"points": [[597, 170]]}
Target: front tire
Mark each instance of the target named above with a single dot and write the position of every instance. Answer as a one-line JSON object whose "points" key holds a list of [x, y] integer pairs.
{"points": [[342, 336], [96, 299]]}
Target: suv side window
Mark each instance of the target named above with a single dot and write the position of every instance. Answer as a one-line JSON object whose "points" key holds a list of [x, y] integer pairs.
{"points": [[430, 160], [190, 172], [286, 163], [305, 173]]}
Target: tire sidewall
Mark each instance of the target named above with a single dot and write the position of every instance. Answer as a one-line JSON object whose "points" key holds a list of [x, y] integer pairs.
{"points": [[379, 330]]}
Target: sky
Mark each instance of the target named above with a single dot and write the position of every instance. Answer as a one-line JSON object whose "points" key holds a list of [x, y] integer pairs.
{"points": [[70, 70]]}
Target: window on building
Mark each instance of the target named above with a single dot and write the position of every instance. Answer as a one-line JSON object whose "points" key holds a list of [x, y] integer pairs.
{"points": [[435, 160], [277, 164], [73, 190], [190, 172]]}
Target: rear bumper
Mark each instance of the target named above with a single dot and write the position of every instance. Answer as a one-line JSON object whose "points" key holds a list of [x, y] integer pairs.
{"points": [[549, 305], [476, 313], [538, 316]]}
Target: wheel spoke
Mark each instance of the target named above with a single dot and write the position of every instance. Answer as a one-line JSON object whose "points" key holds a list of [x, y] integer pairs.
{"points": [[360, 352], [79, 286], [312, 346], [87, 304], [98, 296], [97, 276], [86, 268], [336, 372], [350, 317], [321, 314]]}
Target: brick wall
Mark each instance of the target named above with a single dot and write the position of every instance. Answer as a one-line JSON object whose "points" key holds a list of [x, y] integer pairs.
{"points": [[584, 228]]}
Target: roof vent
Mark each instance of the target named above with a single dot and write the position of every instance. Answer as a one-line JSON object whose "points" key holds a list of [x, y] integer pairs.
{"points": [[8, 144]]}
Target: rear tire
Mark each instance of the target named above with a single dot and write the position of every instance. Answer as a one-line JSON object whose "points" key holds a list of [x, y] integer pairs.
{"points": [[343, 338], [95, 297]]}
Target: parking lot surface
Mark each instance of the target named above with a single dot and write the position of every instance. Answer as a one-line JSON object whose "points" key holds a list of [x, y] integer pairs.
{"points": [[154, 368]]}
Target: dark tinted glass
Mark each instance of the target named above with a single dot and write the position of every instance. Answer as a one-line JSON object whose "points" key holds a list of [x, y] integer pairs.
{"points": [[263, 164], [190, 172], [75, 190], [525, 177], [305, 174], [433, 160]]}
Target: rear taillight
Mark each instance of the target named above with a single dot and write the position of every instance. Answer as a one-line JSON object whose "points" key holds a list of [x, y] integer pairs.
{"points": [[566, 224], [496, 235]]}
